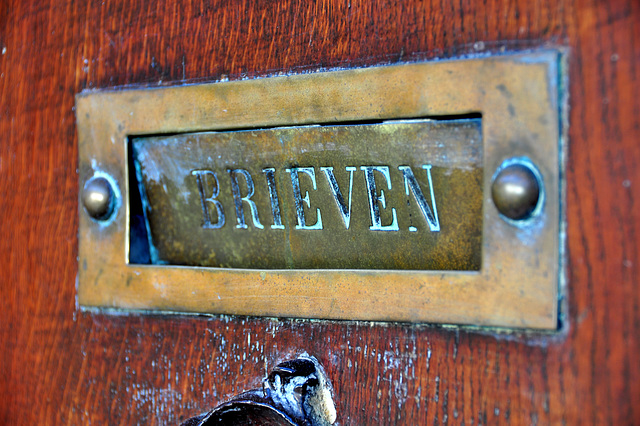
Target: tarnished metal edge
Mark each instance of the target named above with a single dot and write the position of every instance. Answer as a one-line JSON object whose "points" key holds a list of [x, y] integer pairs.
{"points": [[562, 219]]}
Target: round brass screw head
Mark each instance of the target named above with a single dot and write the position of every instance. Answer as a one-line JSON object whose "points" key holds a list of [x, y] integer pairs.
{"points": [[516, 191], [98, 198]]}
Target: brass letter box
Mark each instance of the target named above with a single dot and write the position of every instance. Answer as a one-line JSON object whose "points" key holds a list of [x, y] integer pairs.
{"points": [[426, 192]]}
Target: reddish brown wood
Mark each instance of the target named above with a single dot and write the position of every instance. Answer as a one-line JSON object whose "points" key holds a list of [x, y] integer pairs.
{"points": [[62, 366]]}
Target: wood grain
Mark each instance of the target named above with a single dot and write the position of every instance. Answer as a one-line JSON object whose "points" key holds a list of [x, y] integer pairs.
{"points": [[62, 366]]}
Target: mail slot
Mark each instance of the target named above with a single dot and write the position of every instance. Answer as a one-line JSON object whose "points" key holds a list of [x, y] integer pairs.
{"points": [[393, 195], [426, 192]]}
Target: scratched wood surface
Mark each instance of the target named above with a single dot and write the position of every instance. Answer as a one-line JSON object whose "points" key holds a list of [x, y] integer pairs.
{"points": [[62, 366]]}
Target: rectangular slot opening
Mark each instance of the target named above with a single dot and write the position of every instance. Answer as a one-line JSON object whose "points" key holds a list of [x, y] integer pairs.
{"points": [[391, 195]]}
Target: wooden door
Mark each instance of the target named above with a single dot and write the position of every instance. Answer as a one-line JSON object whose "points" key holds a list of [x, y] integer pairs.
{"points": [[62, 365]]}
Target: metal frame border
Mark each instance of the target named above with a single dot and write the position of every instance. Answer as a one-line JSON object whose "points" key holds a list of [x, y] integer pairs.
{"points": [[518, 284]]}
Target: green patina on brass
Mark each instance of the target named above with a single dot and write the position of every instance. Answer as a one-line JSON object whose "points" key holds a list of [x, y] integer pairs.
{"points": [[181, 233], [481, 264]]}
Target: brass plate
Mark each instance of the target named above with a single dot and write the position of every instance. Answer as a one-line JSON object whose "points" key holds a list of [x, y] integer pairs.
{"points": [[519, 267], [342, 226]]}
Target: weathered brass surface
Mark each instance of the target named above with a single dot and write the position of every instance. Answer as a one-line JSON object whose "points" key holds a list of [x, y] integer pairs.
{"points": [[171, 169], [520, 270]]}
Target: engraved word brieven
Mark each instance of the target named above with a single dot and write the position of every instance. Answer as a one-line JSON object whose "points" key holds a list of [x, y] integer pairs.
{"points": [[214, 214]]}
